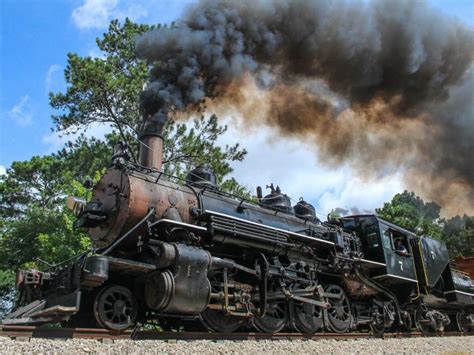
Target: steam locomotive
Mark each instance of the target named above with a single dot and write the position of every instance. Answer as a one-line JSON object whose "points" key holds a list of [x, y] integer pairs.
{"points": [[184, 254]]}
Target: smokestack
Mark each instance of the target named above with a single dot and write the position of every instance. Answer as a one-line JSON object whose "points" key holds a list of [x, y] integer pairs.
{"points": [[151, 150], [151, 141]]}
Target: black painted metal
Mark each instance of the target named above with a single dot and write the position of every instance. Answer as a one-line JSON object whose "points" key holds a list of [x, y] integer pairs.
{"points": [[435, 259], [184, 288], [305, 211], [201, 177]]}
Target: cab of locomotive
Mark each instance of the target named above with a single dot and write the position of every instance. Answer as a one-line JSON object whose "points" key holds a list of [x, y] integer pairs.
{"points": [[402, 259], [388, 246]]}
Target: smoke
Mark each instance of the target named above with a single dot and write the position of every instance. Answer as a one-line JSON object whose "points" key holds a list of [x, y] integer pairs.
{"points": [[348, 212], [154, 123], [383, 86]]}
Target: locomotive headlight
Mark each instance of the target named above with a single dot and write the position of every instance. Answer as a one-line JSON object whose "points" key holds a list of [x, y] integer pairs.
{"points": [[75, 204]]}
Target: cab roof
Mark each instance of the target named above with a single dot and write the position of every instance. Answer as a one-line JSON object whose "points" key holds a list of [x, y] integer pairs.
{"points": [[380, 219]]}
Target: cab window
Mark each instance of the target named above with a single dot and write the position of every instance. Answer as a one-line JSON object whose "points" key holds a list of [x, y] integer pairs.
{"points": [[372, 240], [386, 237], [396, 241]]}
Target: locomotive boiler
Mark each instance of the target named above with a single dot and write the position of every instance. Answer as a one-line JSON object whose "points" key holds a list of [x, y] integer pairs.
{"points": [[186, 255]]}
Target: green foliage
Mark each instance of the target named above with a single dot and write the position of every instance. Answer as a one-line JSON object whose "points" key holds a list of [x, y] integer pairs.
{"points": [[84, 157], [44, 234], [7, 278], [30, 182], [35, 226], [459, 235], [410, 211]]}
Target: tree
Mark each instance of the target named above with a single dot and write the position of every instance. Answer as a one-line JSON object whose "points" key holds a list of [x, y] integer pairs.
{"points": [[7, 278], [186, 148], [30, 182], [106, 90], [459, 235], [35, 227], [36, 223], [84, 157], [410, 211]]}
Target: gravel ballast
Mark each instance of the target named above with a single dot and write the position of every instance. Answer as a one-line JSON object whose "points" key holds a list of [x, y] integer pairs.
{"points": [[458, 345]]}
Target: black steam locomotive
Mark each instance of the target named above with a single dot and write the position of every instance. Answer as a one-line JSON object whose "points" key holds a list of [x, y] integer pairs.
{"points": [[184, 254]]}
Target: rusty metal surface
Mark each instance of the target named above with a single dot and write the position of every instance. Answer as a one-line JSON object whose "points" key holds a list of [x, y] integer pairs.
{"points": [[53, 311], [130, 266], [14, 331], [112, 191], [128, 197], [358, 289], [162, 195], [151, 151], [466, 264], [97, 333]]}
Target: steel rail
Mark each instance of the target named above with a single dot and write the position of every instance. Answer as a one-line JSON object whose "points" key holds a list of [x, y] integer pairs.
{"points": [[15, 332]]}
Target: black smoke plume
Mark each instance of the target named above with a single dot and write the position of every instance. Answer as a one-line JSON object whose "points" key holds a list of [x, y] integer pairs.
{"points": [[385, 86]]}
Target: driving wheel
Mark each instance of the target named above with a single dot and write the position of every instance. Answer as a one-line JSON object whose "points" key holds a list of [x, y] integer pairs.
{"points": [[422, 323], [308, 318], [215, 320], [462, 322], [275, 318], [115, 308], [339, 312]]}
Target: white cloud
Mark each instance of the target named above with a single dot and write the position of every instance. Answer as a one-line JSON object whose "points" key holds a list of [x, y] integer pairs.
{"points": [[51, 77], [21, 112], [98, 13], [292, 164], [55, 141], [3, 170]]}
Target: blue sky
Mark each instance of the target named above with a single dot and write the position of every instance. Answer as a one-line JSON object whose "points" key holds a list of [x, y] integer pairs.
{"points": [[35, 37]]}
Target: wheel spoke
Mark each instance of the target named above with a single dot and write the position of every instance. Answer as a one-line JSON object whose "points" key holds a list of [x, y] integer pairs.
{"points": [[274, 320], [308, 318], [339, 314], [116, 308]]}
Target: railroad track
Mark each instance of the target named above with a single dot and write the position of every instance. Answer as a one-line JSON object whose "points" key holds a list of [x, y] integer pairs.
{"points": [[26, 332]]}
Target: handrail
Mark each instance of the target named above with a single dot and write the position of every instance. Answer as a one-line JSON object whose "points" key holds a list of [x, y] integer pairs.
{"points": [[130, 231]]}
